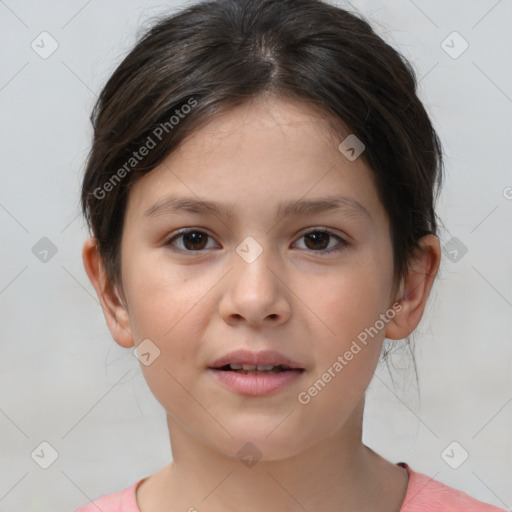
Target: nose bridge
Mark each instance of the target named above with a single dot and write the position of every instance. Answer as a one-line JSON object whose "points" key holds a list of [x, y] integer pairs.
{"points": [[255, 291], [252, 266]]}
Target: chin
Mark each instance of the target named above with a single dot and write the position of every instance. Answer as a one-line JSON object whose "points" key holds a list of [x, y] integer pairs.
{"points": [[255, 446]]}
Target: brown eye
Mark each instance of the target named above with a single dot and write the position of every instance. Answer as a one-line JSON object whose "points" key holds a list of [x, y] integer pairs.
{"points": [[192, 240], [319, 239]]}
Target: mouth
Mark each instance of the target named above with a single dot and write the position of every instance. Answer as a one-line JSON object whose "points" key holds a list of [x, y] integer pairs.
{"points": [[257, 380], [246, 361], [250, 369], [256, 373]]}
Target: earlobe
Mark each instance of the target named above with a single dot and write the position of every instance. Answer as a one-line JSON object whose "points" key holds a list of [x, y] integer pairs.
{"points": [[414, 289], [114, 309]]}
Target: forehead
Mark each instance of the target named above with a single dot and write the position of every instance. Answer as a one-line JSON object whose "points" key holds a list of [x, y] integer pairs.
{"points": [[247, 126], [269, 150]]}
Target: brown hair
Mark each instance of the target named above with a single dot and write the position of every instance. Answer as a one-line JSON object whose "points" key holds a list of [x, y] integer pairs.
{"points": [[217, 54]]}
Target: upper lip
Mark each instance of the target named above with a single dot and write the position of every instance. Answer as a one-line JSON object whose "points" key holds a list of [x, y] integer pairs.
{"points": [[264, 357]]}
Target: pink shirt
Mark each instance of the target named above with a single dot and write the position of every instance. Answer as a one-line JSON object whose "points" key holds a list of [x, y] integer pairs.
{"points": [[423, 495]]}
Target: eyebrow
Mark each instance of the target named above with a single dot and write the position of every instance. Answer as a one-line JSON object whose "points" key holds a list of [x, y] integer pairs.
{"points": [[175, 204]]}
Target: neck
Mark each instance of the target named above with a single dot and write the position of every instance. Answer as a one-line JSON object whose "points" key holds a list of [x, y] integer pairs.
{"points": [[338, 473]]}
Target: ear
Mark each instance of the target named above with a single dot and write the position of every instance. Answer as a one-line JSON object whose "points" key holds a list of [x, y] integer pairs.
{"points": [[414, 289], [114, 309]]}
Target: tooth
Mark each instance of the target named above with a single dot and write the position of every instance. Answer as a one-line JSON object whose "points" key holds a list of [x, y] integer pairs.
{"points": [[235, 366], [265, 367], [249, 366]]}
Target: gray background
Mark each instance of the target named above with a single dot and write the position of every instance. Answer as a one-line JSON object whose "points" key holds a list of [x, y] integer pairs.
{"points": [[65, 381]]}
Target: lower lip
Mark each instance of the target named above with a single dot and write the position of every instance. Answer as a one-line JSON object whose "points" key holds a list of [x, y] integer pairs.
{"points": [[257, 384]]}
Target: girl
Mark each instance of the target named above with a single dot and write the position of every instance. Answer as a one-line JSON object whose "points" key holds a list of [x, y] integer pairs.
{"points": [[261, 192]]}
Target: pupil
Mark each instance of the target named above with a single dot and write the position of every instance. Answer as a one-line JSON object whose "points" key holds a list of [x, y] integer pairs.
{"points": [[315, 236], [193, 237]]}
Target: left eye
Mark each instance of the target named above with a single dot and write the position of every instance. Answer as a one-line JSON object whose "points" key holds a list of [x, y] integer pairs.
{"points": [[317, 240], [320, 239]]}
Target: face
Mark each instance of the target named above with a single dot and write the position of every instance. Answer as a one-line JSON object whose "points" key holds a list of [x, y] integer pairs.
{"points": [[305, 283]]}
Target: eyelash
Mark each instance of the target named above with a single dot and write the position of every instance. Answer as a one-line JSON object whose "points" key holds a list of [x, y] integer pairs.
{"points": [[340, 247]]}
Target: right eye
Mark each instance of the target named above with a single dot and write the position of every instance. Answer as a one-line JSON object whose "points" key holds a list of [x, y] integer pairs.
{"points": [[193, 240]]}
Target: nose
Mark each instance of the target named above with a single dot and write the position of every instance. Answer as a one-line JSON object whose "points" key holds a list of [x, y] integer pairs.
{"points": [[255, 292]]}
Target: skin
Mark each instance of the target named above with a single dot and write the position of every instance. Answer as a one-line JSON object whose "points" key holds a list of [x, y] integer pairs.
{"points": [[199, 305]]}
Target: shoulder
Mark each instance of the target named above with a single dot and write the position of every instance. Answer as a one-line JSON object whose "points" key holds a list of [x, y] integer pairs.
{"points": [[120, 501], [424, 494]]}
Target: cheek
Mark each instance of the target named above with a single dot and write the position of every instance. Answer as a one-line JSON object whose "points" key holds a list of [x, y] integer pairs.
{"points": [[166, 302], [170, 313], [349, 304], [349, 300], [345, 359]]}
